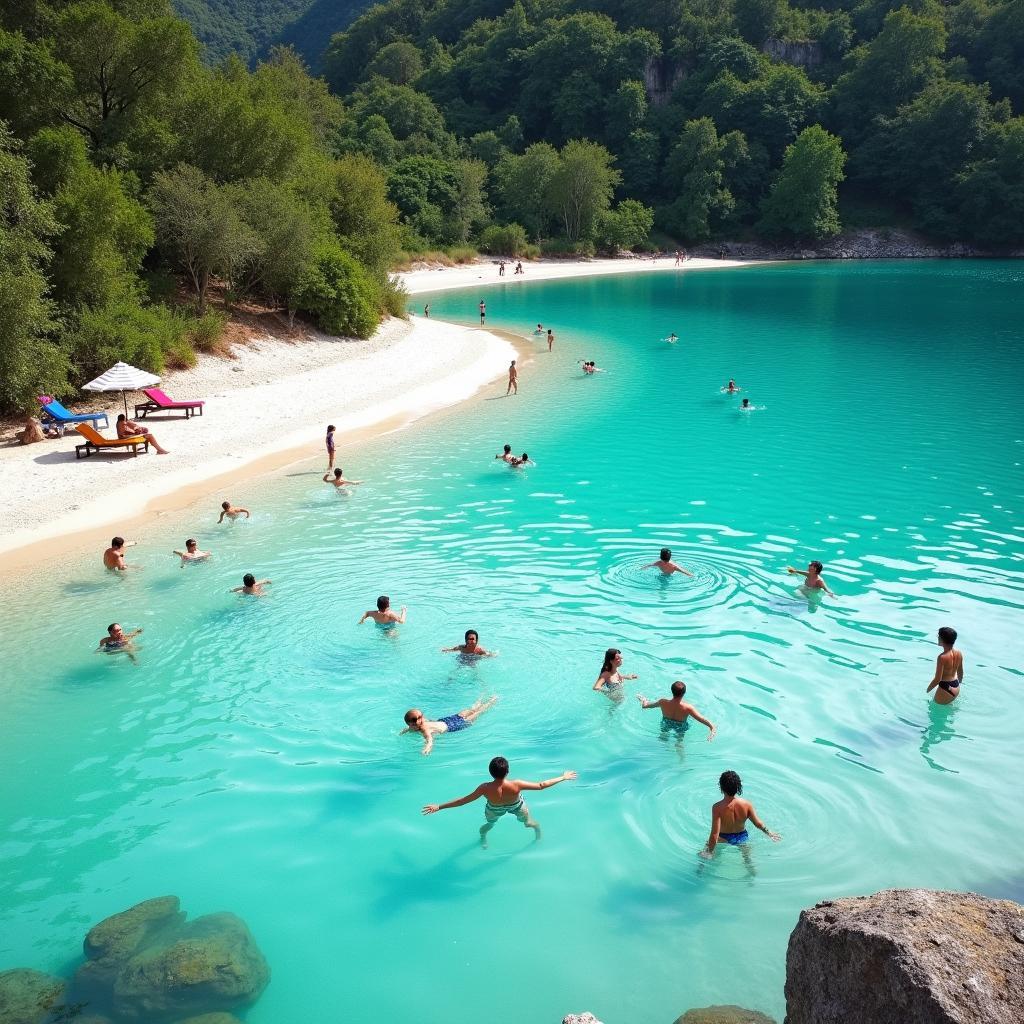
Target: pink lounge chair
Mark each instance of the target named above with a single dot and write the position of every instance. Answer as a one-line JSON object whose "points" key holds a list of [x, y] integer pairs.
{"points": [[159, 401]]}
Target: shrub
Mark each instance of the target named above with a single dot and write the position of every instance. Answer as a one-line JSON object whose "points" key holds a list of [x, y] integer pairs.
{"points": [[507, 240], [205, 332], [338, 292], [581, 248]]}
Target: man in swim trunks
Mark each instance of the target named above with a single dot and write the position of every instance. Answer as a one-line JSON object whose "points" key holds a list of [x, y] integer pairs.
{"points": [[251, 585], [503, 796], [666, 565], [949, 669], [113, 557], [338, 479], [483, 312], [513, 378], [118, 640], [231, 511], [471, 647], [192, 553], [329, 441], [676, 713], [730, 815], [384, 615], [813, 580], [506, 455], [416, 721]]}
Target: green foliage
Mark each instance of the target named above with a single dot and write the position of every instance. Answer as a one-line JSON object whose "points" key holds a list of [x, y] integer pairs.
{"points": [[628, 226], [338, 292], [581, 189], [802, 201], [400, 63], [504, 240]]}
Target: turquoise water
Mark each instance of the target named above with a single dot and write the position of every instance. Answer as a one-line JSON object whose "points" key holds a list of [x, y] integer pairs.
{"points": [[251, 762]]}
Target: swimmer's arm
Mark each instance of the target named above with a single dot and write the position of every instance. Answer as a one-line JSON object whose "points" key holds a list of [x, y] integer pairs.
{"points": [[796, 572], [648, 704], [758, 823], [134, 633], [245, 510], [328, 479], [366, 615], [428, 738], [679, 568], [599, 685], [716, 828], [712, 728], [547, 783], [451, 650], [824, 586], [468, 799], [651, 565], [220, 518], [400, 618], [937, 676]]}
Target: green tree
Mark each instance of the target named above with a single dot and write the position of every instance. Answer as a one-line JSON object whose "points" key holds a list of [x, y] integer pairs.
{"points": [[336, 290], [523, 183], [365, 219], [802, 201], [992, 188], [581, 189], [399, 62], [758, 20], [628, 226]]}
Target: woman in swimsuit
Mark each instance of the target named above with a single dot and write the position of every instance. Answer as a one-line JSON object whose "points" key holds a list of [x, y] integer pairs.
{"points": [[611, 679], [949, 669]]}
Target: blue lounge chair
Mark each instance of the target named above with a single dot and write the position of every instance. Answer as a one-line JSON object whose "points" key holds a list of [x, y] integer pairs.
{"points": [[54, 411]]}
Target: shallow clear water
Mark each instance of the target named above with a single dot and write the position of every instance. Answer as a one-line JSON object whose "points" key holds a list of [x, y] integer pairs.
{"points": [[251, 763]]}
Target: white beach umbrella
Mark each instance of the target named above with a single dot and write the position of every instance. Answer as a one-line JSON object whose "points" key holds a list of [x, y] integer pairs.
{"points": [[122, 377]]}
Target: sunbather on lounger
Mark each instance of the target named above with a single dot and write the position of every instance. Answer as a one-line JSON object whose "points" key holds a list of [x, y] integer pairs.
{"points": [[126, 428]]}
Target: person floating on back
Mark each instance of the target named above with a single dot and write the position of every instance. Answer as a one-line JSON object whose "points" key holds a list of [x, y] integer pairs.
{"points": [[384, 615], [503, 796], [118, 640], [666, 565], [416, 721], [813, 580], [676, 713], [470, 648], [949, 669], [113, 557], [231, 511], [192, 553], [251, 585], [730, 815], [338, 479], [506, 454]]}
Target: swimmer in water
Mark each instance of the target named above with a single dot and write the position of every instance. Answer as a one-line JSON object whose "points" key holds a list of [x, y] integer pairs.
{"points": [[729, 818], [113, 557], [731, 387], [471, 648], [813, 580], [506, 455], [666, 565], [745, 404], [518, 461], [610, 679], [118, 640], [540, 329], [949, 669], [251, 585], [385, 614], [416, 721], [503, 796], [192, 553], [231, 511], [338, 479], [672, 338], [676, 713]]}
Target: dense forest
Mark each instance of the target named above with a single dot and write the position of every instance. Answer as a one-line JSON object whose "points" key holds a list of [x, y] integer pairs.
{"points": [[139, 179]]}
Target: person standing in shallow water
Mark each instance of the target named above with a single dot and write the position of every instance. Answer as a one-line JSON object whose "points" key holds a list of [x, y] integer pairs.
{"points": [[503, 796], [729, 818], [666, 565], [483, 311], [551, 339], [513, 379], [676, 713], [949, 669]]}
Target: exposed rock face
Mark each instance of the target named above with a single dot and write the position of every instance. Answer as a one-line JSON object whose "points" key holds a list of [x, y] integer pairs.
{"points": [[724, 1015], [907, 956], [660, 80], [26, 996], [805, 53]]}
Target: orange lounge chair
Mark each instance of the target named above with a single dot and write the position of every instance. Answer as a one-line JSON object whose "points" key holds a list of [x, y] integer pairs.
{"points": [[95, 441]]}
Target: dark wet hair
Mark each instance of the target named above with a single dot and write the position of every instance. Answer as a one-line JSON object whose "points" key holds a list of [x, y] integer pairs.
{"points": [[410, 715], [117, 542], [730, 784], [525, 457], [679, 688], [382, 602], [330, 427], [111, 628], [225, 505], [508, 449], [947, 634], [190, 542], [337, 474], [609, 657], [498, 767], [666, 554], [249, 580], [469, 633], [817, 566], [746, 401], [121, 416]]}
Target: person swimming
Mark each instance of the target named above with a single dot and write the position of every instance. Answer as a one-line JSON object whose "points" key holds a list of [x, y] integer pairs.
{"points": [[610, 679], [730, 815], [506, 454], [813, 580], [745, 405], [731, 387], [666, 565], [676, 713], [251, 585], [470, 648], [949, 669], [672, 338], [191, 553], [518, 461], [540, 329], [118, 640], [416, 721], [338, 479], [384, 614], [231, 511]]}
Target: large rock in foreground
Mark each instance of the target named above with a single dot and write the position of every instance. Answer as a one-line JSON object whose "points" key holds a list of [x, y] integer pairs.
{"points": [[727, 1014], [907, 956]]}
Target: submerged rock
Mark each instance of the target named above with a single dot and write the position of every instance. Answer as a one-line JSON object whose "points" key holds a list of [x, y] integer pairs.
{"points": [[212, 1018], [727, 1014], [26, 996], [907, 956]]}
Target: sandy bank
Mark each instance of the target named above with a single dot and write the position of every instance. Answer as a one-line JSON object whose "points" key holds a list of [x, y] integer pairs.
{"points": [[476, 275], [265, 408]]}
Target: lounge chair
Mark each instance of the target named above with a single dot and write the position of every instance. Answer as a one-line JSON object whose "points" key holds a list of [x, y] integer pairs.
{"points": [[158, 401], [53, 410], [95, 441]]}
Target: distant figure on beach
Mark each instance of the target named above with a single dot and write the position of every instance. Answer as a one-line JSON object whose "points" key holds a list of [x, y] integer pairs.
{"points": [[329, 441], [503, 796], [192, 553], [470, 648], [483, 311], [385, 614], [678, 259], [666, 565], [730, 815], [513, 380], [416, 721], [551, 339], [949, 669], [610, 679], [683, 255], [519, 267], [231, 511], [676, 713], [113, 557], [813, 580], [518, 461], [338, 479], [251, 585], [126, 428], [426, 310], [506, 455], [501, 269], [118, 640], [731, 387]]}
